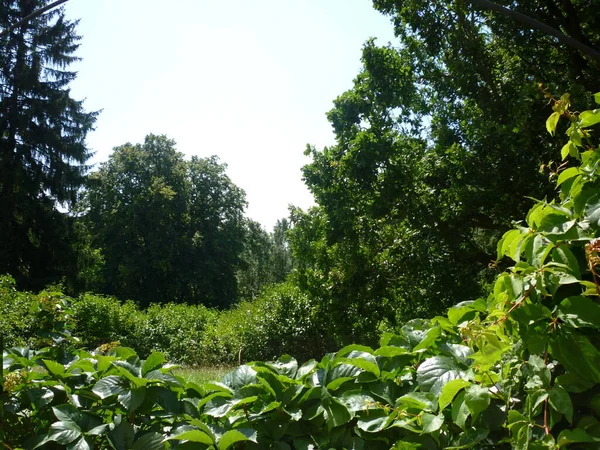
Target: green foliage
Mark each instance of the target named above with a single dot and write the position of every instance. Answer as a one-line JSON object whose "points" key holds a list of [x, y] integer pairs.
{"points": [[167, 229], [281, 320], [42, 144], [267, 258], [438, 143], [14, 308], [101, 320], [175, 330], [518, 369]]}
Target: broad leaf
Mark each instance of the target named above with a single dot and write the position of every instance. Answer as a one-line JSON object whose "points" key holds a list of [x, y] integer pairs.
{"points": [[435, 372], [234, 436]]}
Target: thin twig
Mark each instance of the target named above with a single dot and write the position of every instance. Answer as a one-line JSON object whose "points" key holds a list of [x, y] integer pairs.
{"points": [[546, 411], [515, 306], [531, 22]]}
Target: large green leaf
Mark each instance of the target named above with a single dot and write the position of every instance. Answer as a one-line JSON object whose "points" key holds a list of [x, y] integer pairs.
{"points": [[589, 118], [435, 372], [149, 441], [357, 400], [374, 420], [240, 377], [54, 368], [423, 401], [592, 210], [576, 435], [431, 422], [477, 399], [469, 438], [450, 390], [64, 432], [193, 436], [285, 365], [154, 361], [108, 386], [122, 436], [234, 436], [83, 443], [576, 353], [336, 413], [560, 400], [579, 312], [40, 397], [131, 399]]}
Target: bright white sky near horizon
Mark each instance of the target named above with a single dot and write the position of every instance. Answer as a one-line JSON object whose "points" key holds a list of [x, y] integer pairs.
{"points": [[248, 81]]}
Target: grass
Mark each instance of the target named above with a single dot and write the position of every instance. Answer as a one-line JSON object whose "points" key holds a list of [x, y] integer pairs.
{"points": [[201, 375]]}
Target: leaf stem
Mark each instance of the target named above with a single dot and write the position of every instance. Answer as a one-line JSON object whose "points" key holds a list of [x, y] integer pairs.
{"points": [[515, 305]]}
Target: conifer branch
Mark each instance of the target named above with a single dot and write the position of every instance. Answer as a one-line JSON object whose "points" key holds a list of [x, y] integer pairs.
{"points": [[31, 16]]}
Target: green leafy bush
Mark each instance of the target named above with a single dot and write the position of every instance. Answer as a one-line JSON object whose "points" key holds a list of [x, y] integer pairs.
{"points": [[14, 312], [281, 320], [174, 329], [101, 320]]}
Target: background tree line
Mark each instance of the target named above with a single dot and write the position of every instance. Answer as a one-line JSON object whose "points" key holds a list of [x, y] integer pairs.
{"points": [[411, 199], [147, 225]]}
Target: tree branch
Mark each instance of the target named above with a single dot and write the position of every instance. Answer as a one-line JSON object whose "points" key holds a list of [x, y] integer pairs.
{"points": [[567, 40], [33, 15]]}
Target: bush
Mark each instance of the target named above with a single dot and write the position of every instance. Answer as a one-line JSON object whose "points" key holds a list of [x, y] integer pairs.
{"points": [[281, 320], [15, 320], [101, 320], [173, 329]]}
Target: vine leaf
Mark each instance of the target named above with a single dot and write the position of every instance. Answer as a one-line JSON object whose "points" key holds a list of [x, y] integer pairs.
{"points": [[436, 371]]}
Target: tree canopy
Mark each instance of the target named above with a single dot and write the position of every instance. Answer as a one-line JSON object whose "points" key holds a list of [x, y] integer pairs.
{"points": [[168, 229], [438, 144]]}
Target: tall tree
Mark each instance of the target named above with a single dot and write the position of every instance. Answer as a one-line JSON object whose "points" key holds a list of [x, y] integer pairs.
{"points": [[411, 197], [281, 258], [168, 229], [42, 142], [267, 257]]}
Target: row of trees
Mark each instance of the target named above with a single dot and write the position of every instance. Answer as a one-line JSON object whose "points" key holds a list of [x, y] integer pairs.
{"points": [[148, 225]]}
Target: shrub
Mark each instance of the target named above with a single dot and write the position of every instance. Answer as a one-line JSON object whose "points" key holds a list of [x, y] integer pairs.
{"points": [[173, 329], [100, 319], [281, 320], [15, 320]]}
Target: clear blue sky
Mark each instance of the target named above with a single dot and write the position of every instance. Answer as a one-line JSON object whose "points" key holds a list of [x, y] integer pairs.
{"points": [[248, 81]]}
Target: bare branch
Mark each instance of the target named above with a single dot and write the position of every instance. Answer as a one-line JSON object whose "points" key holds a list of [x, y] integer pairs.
{"points": [[567, 40]]}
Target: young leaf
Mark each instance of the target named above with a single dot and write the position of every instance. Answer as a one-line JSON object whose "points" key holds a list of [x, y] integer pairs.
{"points": [[450, 390], [589, 118], [551, 122]]}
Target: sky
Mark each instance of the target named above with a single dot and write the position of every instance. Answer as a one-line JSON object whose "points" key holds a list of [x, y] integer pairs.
{"points": [[248, 81]]}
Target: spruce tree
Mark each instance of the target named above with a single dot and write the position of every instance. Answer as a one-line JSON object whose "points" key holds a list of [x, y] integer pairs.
{"points": [[42, 142]]}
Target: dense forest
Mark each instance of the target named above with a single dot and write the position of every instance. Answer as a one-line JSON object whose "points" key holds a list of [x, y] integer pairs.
{"points": [[447, 140]]}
